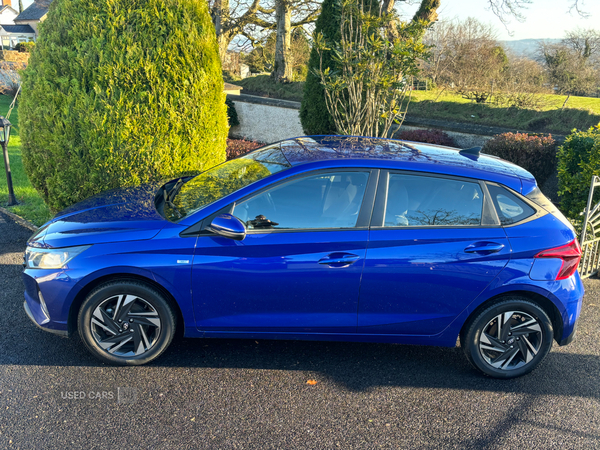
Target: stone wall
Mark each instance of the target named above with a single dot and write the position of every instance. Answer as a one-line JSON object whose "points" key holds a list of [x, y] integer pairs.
{"points": [[265, 120], [14, 56]]}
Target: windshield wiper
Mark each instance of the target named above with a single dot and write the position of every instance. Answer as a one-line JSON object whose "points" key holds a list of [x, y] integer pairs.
{"points": [[170, 196]]}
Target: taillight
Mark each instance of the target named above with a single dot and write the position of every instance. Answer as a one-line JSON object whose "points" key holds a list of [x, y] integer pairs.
{"points": [[570, 255]]}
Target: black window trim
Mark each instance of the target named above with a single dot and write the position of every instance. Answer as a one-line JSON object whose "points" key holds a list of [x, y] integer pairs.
{"points": [[362, 223], [489, 217]]}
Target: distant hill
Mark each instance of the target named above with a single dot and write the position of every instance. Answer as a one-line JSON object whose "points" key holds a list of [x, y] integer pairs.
{"points": [[526, 47]]}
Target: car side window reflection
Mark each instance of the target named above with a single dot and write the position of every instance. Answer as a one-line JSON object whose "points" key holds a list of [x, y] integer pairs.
{"points": [[422, 201], [331, 200]]}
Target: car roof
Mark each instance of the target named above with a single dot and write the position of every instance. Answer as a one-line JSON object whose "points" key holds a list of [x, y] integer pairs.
{"points": [[406, 155]]}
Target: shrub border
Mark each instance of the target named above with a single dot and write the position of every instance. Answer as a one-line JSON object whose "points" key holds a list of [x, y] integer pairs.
{"points": [[19, 219]]}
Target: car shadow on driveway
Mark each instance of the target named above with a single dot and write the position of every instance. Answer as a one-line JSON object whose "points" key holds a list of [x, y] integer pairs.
{"points": [[352, 366]]}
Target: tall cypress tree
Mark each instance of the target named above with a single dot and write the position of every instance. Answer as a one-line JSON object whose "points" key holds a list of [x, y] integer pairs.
{"points": [[314, 116], [119, 93]]}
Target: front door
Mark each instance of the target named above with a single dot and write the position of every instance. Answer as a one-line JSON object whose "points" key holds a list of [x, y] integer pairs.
{"points": [[299, 267]]}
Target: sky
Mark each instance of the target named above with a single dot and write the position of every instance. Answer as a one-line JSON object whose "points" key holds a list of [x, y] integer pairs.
{"points": [[544, 19]]}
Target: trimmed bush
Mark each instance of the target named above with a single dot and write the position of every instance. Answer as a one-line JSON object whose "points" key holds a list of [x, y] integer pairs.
{"points": [[535, 153], [437, 137], [119, 93], [239, 147], [25, 47], [578, 162], [314, 116], [232, 115]]}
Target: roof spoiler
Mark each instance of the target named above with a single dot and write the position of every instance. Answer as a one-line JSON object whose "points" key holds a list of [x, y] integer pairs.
{"points": [[473, 151]]}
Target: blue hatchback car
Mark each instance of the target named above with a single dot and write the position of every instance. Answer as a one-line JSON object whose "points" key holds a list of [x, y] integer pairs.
{"points": [[318, 238]]}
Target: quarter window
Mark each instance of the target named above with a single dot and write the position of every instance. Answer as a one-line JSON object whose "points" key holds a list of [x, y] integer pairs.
{"points": [[509, 207], [423, 201], [330, 200]]}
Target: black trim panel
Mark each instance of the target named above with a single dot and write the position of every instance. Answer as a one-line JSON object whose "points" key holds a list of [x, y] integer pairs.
{"points": [[63, 333]]}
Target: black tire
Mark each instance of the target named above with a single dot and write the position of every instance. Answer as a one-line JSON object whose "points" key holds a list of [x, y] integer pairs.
{"points": [[511, 351], [141, 327]]}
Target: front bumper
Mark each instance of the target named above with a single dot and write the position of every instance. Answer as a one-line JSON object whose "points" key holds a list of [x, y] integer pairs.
{"points": [[63, 333]]}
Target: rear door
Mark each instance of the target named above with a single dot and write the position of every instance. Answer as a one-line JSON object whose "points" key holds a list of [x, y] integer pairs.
{"points": [[435, 244]]}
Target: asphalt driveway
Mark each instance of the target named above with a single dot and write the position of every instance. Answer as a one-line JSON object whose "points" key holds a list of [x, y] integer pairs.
{"points": [[230, 394]]}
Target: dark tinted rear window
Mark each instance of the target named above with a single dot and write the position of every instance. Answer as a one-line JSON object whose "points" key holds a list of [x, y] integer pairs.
{"points": [[510, 208], [537, 197]]}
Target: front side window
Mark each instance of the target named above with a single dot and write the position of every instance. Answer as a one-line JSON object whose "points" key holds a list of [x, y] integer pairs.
{"points": [[224, 179], [326, 200], [423, 201]]}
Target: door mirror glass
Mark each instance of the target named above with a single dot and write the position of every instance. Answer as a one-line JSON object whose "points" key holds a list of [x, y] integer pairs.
{"points": [[228, 226]]}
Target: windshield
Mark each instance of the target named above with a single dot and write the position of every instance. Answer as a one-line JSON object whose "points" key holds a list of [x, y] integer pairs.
{"points": [[224, 179]]}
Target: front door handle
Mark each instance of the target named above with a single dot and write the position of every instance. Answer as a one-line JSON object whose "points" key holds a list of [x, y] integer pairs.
{"points": [[339, 259], [484, 248]]}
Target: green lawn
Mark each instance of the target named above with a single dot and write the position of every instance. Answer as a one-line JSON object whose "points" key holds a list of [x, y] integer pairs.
{"points": [[31, 206], [580, 112], [263, 85]]}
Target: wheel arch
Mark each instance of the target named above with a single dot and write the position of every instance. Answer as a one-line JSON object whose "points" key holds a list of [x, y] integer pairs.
{"points": [[543, 302], [83, 293]]}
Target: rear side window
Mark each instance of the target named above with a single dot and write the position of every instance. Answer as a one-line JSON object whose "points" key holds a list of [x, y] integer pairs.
{"points": [[422, 201], [510, 208]]}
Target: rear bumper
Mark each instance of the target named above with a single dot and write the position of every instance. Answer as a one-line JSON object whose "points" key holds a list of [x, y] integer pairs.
{"points": [[566, 340]]}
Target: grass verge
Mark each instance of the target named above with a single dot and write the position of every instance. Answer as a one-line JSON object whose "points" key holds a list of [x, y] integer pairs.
{"points": [[31, 207], [264, 86], [580, 113]]}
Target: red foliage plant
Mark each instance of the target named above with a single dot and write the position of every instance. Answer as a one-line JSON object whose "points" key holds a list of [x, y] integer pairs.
{"points": [[239, 147], [437, 137], [535, 153]]}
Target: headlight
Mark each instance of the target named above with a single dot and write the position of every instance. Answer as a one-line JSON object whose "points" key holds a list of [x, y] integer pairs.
{"points": [[53, 258]]}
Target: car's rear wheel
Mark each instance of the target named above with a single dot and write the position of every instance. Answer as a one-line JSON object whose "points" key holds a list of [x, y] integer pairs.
{"points": [[508, 339], [126, 323]]}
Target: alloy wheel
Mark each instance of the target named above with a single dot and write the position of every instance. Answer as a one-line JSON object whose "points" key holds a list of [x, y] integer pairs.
{"points": [[125, 325], [510, 340]]}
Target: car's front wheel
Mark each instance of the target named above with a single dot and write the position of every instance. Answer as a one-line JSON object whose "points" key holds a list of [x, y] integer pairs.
{"points": [[126, 322], [508, 339]]}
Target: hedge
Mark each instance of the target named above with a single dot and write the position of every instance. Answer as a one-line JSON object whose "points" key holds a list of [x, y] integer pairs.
{"points": [[119, 93]]}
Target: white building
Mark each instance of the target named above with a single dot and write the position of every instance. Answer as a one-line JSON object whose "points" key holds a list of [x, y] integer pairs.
{"points": [[7, 13], [33, 15], [11, 35]]}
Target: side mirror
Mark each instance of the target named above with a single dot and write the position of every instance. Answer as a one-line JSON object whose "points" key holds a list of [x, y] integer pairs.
{"points": [[228, 226]]}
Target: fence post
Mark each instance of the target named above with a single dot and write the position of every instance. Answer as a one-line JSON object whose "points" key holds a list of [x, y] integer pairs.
{"points": [[588, 208]]}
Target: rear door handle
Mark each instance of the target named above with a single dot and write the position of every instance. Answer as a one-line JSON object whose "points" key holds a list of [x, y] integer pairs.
{"points": [[339, 259], [484, 248]]}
